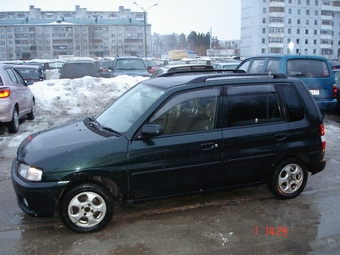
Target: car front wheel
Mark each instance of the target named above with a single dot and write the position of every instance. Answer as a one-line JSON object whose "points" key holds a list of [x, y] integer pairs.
{"points": [[289, 178], [86, 208], [13, 125]]}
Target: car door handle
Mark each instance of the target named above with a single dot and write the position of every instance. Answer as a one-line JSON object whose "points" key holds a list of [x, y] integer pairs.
{"points": [[280, 137], [208, 146]]}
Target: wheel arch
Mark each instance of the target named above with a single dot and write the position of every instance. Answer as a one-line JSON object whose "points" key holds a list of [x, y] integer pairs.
{"points": [[298, 155], [107, 183]]}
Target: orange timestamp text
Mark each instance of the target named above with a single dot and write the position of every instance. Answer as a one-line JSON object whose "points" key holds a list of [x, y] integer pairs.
{"points": [[272, 231]]}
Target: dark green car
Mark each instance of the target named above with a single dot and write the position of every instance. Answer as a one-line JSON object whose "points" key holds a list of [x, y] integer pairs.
{"points": [[170, 136]]}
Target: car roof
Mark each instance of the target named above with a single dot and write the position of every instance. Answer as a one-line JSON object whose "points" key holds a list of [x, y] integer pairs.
{"points": [[284, 56], [174, 81], [27, 66]]}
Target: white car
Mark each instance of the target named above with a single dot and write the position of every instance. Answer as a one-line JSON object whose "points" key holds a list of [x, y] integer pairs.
{"points": [[16, 98]]}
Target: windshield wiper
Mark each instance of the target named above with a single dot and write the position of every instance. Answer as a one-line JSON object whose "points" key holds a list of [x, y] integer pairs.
{"points": [[94, 123], [111, 130]]}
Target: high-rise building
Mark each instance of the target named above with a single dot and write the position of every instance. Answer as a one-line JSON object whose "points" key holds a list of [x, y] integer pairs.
{"points": [[290, 27], [81, 33]]}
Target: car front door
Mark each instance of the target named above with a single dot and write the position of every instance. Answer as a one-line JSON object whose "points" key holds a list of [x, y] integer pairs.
{"points": [[187, 156]]}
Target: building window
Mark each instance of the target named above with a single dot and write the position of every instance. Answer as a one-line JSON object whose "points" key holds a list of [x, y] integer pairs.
{"points": [[264, 10], [306, 31], [264, 20], [263, 30], [289, 21], [306, 41], [263, 40], [298, 31], [289, 31], [298, 21]]}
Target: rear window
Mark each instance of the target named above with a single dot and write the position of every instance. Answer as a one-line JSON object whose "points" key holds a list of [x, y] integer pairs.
{"points": [[307, 68], [78, 70]]}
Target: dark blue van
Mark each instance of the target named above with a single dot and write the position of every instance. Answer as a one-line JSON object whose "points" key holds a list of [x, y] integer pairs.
{"points": [[315, 71]]}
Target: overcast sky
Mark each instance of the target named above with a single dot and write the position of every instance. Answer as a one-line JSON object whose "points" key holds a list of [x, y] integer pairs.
{"points": [[223, 17]]}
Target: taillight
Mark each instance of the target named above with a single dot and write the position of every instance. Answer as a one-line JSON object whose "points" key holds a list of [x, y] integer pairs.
{"points": [[322, 135], [5, 92], [335, 91]]}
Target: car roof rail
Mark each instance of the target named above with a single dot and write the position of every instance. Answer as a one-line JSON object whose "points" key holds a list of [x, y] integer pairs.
{"points": [[239, 75], [199, 71]]}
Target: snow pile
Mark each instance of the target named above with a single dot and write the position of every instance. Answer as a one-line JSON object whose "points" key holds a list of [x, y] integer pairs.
{"points": [[83, 96]]}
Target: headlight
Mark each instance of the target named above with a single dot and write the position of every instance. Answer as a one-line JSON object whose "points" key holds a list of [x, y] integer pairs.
{"points": [[29, 173]]}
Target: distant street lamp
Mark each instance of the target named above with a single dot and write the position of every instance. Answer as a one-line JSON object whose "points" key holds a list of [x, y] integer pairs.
{"points": [[145, 44]]}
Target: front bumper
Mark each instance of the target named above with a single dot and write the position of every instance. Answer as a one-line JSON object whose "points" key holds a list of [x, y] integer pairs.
{"points": [[35, 198]]}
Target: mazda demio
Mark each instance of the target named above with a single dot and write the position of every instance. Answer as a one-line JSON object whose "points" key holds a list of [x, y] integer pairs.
{"points": [[170, 136]]}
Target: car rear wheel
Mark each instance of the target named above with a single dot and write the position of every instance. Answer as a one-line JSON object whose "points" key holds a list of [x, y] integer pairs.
{"points": [[86, 208], [289, 178], [13, 125], [31, 115]]}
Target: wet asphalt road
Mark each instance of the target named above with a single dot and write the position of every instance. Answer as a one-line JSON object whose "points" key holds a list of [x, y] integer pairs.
{"points": [[237, 221]]}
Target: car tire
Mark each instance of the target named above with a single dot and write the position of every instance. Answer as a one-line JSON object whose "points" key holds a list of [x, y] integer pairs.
{"points": [[13, 125], [31, 115], [86, 208], [289, 179]]}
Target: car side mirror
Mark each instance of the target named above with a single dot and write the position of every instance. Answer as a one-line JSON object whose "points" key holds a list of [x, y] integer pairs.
{"points": [[149, 131], [29, 82]]}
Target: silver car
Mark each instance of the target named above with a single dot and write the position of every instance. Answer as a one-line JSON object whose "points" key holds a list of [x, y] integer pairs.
{"points": [[16, 98]]}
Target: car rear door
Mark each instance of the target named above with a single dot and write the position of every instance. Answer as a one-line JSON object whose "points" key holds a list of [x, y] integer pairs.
{"points": [[187, 156], [254, 134], [20, 91]]}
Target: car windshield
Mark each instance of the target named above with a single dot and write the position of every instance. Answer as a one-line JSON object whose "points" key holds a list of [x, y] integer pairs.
{"points": [[29, 73], [120, 115]]}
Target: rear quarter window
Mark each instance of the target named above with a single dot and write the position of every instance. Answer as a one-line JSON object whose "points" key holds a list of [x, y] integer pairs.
{"points": [[293, 103]]}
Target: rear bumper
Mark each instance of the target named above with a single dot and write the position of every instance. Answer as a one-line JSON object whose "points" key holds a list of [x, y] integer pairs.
{"points": [[326, 105]]}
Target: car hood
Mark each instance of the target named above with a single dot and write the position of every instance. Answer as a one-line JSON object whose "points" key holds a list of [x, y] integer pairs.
{"points": [[68, 147], [132, 72]]}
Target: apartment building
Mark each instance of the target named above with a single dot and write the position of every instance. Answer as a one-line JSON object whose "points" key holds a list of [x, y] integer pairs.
{"points": [[80, 33], [290, 27]]}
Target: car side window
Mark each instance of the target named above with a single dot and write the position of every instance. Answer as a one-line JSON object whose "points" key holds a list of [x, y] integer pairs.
{"points": [[252, 106], [188, 112], [20, 80], [12, 75], [256, 66], [272, 66]]}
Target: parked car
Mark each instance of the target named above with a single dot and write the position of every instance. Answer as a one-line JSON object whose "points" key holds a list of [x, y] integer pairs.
{"points": [[16, 98], [337, 81], [225, 66], [335, 64], [131, 66], [78, 69], [314, 71], [30, 72], [169, 136], [106, 68], [151, 65], [181, 67]]}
